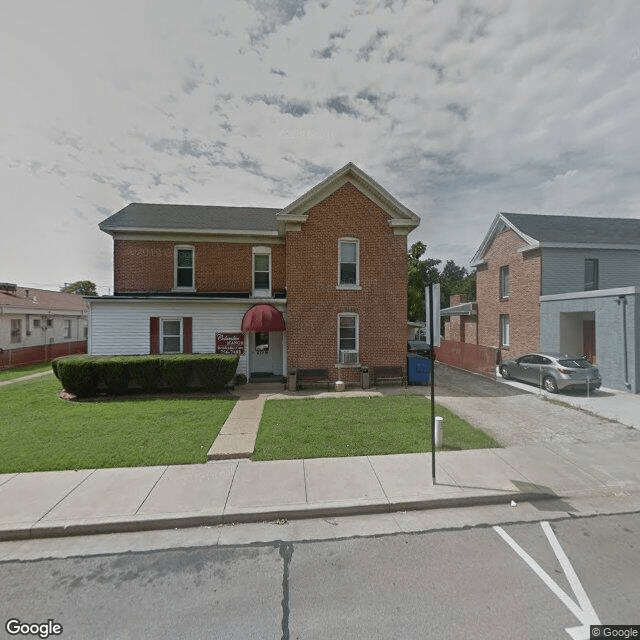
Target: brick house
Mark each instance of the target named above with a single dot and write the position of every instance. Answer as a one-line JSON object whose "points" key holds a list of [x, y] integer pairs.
{"points": [[563, 284], [321, 283], [37, 325]]}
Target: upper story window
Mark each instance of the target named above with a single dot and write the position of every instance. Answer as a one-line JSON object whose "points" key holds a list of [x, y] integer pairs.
{"points": [[504, 282], [590, 274], [184, 268], [348, 338], [262, 271], [349, 263]]}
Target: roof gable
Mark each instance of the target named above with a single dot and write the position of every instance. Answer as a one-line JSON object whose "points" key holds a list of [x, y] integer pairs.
{"points": [[540, 230], [401, 219]]}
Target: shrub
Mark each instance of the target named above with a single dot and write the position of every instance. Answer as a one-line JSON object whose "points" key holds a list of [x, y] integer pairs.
{"points": [[176, 372], [114, 374], [146, 373], [85, 375], [78, 375], [54, 366], [241, 379]]}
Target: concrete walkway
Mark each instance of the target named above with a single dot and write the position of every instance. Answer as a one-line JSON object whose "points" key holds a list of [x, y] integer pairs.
{"points": [[54, 503], [23, 378], [621, 406]]}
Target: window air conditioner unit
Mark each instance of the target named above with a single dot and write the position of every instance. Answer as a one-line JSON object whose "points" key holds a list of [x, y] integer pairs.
{"points": [[348, 357]]}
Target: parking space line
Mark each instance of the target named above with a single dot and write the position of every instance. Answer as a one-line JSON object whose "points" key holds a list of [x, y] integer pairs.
{"points": [[583, 610]]}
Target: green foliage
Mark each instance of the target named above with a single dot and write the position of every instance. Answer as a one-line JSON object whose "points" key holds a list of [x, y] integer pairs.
{"points": [[453, 279], [78, 375], [86, 376], [40, 432], [81, 287], [114, 373]]}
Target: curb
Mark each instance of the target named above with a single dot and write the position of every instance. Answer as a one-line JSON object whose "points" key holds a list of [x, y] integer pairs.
{"points": [[173, 521]]}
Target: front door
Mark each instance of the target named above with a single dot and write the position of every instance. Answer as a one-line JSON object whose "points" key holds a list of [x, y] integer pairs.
{"points": [[589, 340], [261, 354]]}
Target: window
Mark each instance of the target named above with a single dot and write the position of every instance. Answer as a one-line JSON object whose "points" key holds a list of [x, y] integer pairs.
{"points": [[67, 329], [86, 332], [504, 282], [262, 271], [16, 330], [36, 323], [590, 274], [171, 336], [49, 322], [184, 268], [504, 331], [348, 338], [348, 270]]}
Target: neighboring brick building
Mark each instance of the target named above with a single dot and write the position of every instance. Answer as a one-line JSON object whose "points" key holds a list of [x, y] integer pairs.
{"points": [[333, 265], [460, 320], [563, 284], [37, 325]]}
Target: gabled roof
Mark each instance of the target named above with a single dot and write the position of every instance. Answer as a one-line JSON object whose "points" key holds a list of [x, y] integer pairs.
{"points": [[540, 230], [28, 300], [178, 218], [401, 219], [140, 216]]}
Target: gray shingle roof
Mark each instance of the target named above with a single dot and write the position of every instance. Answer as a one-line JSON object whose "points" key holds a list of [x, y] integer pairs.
{"points": [[191, 217], [577, 229]]}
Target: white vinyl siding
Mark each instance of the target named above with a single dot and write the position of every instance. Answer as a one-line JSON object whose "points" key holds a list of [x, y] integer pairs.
{"points": [[109, 318]]}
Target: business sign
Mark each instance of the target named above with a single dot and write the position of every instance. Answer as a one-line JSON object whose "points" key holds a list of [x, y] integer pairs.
{"points": [[230, 343]]}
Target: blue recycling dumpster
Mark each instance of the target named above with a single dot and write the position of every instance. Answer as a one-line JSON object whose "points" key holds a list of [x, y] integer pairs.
{"points": [[418, 370]]}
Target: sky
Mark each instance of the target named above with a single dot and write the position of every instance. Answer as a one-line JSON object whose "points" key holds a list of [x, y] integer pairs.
{"points": [[458, 108]]}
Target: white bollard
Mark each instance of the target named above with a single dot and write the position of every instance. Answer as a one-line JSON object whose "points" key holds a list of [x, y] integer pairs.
{"points": [[339, 385], [438, 430]]}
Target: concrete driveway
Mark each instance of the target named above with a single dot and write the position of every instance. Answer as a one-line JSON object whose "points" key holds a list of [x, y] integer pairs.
{"points": [[517, 416]]}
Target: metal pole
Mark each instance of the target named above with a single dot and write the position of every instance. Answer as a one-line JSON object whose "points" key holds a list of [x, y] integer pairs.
{"points": [[433, 393]]}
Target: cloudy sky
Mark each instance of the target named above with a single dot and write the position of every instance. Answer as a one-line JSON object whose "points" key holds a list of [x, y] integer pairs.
{"points": [[459, 108]]}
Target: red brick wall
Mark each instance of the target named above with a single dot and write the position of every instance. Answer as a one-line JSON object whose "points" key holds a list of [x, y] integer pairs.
{"points": [[522, 306], [220, 266], [313, 303]]}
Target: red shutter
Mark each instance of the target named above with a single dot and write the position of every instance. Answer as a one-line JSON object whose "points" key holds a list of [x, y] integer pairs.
{"points": [[154, 335], [187, 332]]}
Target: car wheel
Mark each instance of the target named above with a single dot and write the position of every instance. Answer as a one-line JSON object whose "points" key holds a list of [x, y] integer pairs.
{"points": [[550, 384], [504, 372]]}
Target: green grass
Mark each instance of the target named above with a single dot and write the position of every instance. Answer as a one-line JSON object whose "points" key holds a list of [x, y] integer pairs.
{"points": [[18, 372], [327, 427], [40, 432]]}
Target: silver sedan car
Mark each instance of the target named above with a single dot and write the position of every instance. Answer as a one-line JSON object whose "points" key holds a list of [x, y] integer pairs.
{"points": [[553, 371]]}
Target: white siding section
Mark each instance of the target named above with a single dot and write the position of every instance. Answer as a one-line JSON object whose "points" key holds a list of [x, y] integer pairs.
{"points": [[122, 327]]}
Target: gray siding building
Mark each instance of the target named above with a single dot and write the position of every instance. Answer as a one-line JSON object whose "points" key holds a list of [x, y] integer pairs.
{"points": [[589, 288]]}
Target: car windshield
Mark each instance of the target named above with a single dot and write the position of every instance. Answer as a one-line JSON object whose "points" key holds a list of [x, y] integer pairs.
{"points": [[576, 363]]}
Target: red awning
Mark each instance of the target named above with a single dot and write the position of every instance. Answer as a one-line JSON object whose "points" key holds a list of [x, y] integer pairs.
{"points": [[263, 318]]}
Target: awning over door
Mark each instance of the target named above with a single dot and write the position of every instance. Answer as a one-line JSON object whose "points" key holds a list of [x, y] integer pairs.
{"points": [[263, 318]]}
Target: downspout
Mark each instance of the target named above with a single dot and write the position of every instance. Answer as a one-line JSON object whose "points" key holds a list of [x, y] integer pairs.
{"points": [[623, 300]]}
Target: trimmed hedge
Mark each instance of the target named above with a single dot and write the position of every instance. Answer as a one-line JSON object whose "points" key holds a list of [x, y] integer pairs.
{"points": [[87, 376]]}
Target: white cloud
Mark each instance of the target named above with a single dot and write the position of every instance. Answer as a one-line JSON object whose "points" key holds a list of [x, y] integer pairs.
{"points": [[460, 108]]}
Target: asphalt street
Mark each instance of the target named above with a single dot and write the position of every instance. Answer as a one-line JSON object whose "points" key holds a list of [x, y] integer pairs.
{"points": [[464, 583]]}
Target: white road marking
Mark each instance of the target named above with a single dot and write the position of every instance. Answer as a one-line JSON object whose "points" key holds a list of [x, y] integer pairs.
{"points": [[583, 610]]}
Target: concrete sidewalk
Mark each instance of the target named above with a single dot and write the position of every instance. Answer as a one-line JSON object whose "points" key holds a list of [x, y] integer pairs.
{"points": [[36, 505]]}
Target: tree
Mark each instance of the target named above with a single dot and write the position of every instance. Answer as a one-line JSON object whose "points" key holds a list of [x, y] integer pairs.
{"points": [[453, 279], [81, 287], [421, 272]]}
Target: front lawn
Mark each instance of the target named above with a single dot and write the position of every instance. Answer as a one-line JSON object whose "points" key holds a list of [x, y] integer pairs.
{"points": [[27, 370], [40, 432], [327, 427]]}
